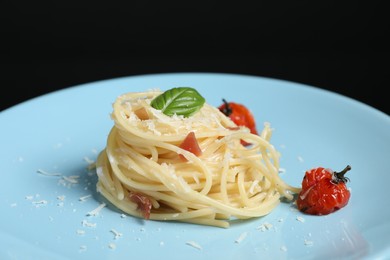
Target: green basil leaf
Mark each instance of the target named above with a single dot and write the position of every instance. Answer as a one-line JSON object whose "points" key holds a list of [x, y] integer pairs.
{"points": [[184, 101]]}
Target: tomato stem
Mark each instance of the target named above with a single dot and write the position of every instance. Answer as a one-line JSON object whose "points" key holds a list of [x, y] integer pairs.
{"points": [[227, 110], [339, 176]]}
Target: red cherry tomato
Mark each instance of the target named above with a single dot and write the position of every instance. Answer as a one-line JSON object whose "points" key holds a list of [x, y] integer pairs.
{"points": [[239, 114], [323, 191]]}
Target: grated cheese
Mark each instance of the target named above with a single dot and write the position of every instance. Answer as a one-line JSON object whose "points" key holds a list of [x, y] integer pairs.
{"points": [[265, 226], [252, 188], [194, 245], [89, 161], [308, 242], [300, 219], [47, 173], [85, 223], [184, 184], [84, 198], [71, 179], [241, 237], [97, 210], [116, 234]]}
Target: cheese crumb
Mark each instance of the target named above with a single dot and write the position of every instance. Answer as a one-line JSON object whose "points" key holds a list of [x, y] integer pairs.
{"points": [[84, 198], [241, 237], [88, 224], [91, 163], [97, 210], [112, 246], [194, 245], [116, 234], [71, 179], [265, 226], [47, 173], [253, 185], [300, 219]]}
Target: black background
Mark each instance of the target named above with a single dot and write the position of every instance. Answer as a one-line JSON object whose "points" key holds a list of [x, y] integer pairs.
{"points": [[342, 47]]}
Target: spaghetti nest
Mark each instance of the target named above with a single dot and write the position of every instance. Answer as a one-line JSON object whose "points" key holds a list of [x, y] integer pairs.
{"points": [[144, 171]]}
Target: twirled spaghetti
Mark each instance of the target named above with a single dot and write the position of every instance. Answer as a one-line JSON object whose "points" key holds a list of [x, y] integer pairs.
{"points": [[227, 181]]}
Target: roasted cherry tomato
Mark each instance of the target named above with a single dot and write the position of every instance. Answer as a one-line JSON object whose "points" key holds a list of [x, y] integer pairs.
{"points": [[323, 191], [239, 114]]}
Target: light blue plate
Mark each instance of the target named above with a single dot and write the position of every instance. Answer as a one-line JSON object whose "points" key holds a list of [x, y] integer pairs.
{"points": [[46, 217]]}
